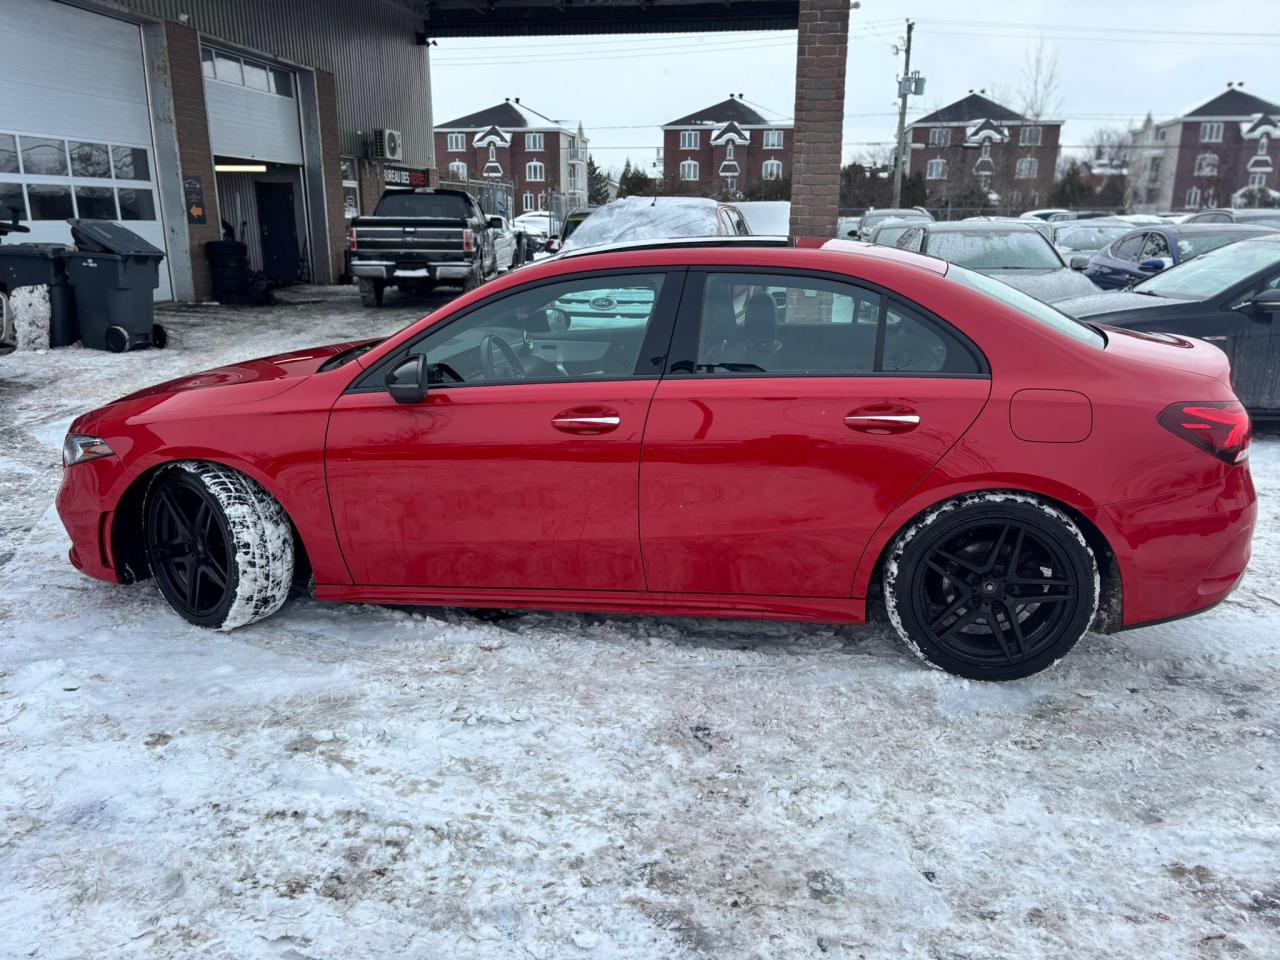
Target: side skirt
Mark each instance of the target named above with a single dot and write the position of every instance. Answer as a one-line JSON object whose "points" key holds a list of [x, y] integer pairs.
{"points": [[802, 609]]}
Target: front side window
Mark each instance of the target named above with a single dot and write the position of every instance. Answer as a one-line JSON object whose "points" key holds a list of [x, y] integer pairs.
{"points": [[535, 171], [1155, 247], [591, 328], [456, 142], [772, 170], [533, 141], [688, 169], [1030, 136], [689, 139], [1128, 249], [1027, 168], [755, 324], [936, 170]]}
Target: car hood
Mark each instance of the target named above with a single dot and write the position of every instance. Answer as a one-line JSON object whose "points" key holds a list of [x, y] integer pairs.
{"points": [[1118, 301], [1047, 285]]}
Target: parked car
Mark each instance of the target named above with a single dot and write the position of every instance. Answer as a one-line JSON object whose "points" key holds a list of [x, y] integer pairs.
{"points": [[657, 218], [810, 426], [574, 220], [506, 245], [767, 218], [1266, 216], [873, 218], [888, 232], [1076, 238], [415, 239], [1147, 250], [1044, 213], [1014, 252], [1080, 215], [1229, 296], [847, 227]]}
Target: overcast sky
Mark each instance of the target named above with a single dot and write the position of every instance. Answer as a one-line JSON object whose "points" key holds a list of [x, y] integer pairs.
{"points": [[1116, 61]]}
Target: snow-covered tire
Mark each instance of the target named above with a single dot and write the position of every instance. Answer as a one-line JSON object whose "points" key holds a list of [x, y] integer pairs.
{"points": [[206, 522], [1016, 570], [371, 291]]}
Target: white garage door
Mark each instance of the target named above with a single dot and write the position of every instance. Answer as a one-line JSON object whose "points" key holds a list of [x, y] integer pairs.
{"points": [[75, 124]]}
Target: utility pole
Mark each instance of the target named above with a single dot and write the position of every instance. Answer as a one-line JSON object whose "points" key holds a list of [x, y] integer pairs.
{"points": [[904, 88]]}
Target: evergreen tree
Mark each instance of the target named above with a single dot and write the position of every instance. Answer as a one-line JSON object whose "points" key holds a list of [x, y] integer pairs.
{"points": [[1071, 190], [597, 183]]}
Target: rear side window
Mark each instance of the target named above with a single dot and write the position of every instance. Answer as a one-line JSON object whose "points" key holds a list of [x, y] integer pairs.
{"points": [[423, 205], [756, 323], [1028, 305]]}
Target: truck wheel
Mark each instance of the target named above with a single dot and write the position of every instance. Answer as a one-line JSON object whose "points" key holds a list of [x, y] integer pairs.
{"points": [[371, 291], [473, 279]]}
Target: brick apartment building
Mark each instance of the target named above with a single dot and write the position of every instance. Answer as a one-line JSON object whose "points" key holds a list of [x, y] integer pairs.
{"points": [[1213, 155], [725, 150], [509, 142], [977, 145]]}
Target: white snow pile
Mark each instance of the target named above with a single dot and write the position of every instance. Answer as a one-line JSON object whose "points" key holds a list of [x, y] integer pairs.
{"points": [[646, 218], [341, 781], [31, 317]]}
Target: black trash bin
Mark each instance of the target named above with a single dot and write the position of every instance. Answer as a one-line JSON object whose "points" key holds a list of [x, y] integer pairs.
{"points": [[43, 264], [232, 275], [114, 272]]}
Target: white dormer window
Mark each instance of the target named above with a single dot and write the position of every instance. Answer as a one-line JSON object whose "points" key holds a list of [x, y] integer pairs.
{"points": [[773, 139], [534, 171], [457, 142], [936, 169], [986, 149], [1264, 142], [1211, 132], [940, 137], [1030, 136], [493, 152], [772, 170], [533, 141], [690, 140], [688, 169], [728, 150]]}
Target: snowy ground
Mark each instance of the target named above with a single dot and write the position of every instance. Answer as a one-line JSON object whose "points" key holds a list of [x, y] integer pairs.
{"points": [[343, 781]]}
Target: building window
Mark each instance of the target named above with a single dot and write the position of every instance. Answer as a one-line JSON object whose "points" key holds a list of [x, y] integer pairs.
{"points": [[690, 139], [728, 151], [231, 68], [528, 201], [1257, 179], [458, 169], [1211, 132], [1027, 168], [457, 142], [773, 139], [984, 181], [1206, 165], [534, 171], [688, 169], [986, 149], [1153, 168], [772, 170], [1030, 137], [533, 141], [940, 137], [731, 184], [542, 201], [935, 169], [1035, 198], [1193, 197], [1264, 142]]}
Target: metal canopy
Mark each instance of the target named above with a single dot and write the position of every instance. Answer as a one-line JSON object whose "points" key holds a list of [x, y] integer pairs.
{"points": [[535, 18]]}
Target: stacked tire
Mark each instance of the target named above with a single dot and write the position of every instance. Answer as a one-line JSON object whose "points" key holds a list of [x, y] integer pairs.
{"points": [[232, 276]]}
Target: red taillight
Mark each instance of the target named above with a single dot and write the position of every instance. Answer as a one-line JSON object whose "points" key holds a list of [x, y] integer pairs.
{"points": [[353, 238], [1218, 427], [468, 241]]}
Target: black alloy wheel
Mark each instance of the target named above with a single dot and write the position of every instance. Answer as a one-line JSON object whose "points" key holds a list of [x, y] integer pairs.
{"points": [[191, 548]]}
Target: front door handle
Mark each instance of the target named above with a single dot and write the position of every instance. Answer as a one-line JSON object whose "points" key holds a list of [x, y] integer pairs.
{"points": [[888, 419], [588, 421]]}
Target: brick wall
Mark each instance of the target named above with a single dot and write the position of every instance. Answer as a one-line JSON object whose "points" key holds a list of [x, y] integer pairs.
{"points": [[194, 154], [822, 48]]}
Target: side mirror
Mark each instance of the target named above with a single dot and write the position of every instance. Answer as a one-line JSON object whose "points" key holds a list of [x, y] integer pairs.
{"points": [[1264, 306], [496, 223], [407, 380], [1079, 262], [1152, 265]]}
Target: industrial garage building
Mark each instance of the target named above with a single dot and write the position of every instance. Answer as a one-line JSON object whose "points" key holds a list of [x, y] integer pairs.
{"points": [[191, 120]]}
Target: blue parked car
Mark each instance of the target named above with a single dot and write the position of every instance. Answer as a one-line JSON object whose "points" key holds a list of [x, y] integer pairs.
{"points": [[1149, 249]]}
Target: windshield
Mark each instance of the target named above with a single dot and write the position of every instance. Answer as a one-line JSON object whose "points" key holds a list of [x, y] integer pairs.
{"points": [[994, 250], [423, 205], [1193, 246], [1083, 238], [1213, 273], [635, 219], [1028, 305]]}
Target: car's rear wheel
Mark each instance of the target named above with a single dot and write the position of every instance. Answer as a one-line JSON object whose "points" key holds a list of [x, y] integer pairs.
{"points": [[993, 586], [220, 547], [371, 291]]}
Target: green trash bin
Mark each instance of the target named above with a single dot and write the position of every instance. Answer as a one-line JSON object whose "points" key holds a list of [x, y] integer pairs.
{"points": [[114, 273]]}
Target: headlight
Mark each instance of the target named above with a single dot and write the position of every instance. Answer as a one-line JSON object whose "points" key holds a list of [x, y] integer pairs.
{"points": [[78, 448]]}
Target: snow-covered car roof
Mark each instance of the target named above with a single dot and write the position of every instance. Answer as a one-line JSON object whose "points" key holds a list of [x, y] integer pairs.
{"points": [[647, 218]]}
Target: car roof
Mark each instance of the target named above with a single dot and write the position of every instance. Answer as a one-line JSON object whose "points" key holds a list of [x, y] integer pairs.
{"points": [[674, 243], [1192, 229], [980, 226]]}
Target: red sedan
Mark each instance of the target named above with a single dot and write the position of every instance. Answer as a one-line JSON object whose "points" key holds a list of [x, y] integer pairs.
{"points": [[739, 429]]}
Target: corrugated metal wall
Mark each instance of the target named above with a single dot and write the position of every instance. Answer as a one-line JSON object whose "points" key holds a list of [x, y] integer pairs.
{"points": [[382, 76]]}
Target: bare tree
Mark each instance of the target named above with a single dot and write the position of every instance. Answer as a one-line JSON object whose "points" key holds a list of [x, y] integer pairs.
{"points": [[1040, 92], [1111, 150]]}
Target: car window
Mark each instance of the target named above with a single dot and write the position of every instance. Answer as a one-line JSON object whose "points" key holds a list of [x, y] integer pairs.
{"points": [[591, 328], [1189, 247], [1026, 304], [1128, 249], [808, 326], [911, 239], [1083, 238], [1155, 246], [1214, 273], [994, 250], [450, 205]]}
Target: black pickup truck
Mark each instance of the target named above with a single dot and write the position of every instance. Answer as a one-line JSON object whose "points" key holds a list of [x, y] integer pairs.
{"points": [[416, 240]]}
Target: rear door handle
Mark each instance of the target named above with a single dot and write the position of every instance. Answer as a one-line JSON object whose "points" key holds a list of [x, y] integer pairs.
{"points": [[588, 421], [882, 422]]}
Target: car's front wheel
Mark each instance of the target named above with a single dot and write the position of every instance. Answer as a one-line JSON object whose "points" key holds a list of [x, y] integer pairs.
{"points": [[220, 547], [991, 586]]}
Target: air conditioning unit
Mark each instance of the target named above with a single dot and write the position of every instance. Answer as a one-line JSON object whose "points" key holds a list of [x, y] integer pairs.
{"points": [[388, 145]]}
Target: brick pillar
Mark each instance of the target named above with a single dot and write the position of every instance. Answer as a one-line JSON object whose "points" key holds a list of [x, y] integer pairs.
{"points": [[330, 139], [195, 156], [822, 48]]}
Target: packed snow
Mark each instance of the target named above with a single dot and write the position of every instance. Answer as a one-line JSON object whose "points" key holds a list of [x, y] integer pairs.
{"points": [[767, 218], [646, 218], [338, 781]]}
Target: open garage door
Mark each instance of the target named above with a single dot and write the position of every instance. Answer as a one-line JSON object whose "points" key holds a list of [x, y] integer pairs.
{"points": [[75, 124]]}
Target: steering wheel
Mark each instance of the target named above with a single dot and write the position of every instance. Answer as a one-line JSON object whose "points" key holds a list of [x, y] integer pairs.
{"points": [[498, 360]]}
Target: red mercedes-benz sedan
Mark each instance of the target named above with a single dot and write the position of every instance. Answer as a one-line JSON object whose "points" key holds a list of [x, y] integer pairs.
{"points": [[730, 429]]}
